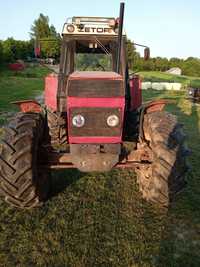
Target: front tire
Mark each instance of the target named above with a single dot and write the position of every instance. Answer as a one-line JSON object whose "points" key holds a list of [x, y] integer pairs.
{"points": [[164, 177], [22, 183], [57, 129]]}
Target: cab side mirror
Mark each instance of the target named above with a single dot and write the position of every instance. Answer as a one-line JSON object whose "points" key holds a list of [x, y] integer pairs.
{"points": [[147, 53]]}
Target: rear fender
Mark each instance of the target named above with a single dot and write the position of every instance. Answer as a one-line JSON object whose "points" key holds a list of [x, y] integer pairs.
{"points": [[28, 106]]}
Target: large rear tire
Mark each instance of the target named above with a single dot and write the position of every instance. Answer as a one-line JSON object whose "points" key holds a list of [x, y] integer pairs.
{"points": [[22, 183], [164, 178]]}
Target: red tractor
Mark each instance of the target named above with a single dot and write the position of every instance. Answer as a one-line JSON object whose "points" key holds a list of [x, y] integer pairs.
{"points": [[93, 120]]}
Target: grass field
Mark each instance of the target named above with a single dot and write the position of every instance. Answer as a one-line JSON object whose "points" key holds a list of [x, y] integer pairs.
{"points": [[156, 76], [19, 86], [100, 220]]}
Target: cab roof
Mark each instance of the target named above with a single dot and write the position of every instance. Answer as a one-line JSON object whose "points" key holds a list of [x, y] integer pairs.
{"points": [[98, 26]]}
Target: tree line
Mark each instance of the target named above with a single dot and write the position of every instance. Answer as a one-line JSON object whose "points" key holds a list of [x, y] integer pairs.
{"points": [[42, 35], [11, 50], [45, 36], [189, 66]]}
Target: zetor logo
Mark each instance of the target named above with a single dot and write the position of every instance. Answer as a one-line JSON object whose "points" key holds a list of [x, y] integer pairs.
{"points": [[71, 28], [95, 30]]}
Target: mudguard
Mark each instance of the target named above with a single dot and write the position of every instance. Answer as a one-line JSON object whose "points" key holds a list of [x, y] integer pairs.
{"points": [[148, 107], [28, 106]]}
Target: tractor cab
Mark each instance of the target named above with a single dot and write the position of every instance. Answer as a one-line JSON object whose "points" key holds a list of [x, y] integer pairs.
{"points": [[92, 44]]}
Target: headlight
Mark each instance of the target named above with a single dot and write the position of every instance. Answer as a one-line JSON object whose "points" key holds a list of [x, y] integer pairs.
{"points": [[70, 28], [78, 121], [112, 120]]}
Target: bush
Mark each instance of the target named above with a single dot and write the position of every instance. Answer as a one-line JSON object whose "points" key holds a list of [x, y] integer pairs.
{"points": [[12, 50]]}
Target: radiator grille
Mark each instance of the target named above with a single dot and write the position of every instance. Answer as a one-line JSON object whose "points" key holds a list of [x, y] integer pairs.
{"points": [[95, 88], [95, 122]]}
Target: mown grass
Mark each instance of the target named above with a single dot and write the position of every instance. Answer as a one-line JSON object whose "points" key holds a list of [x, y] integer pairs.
{"points": [[21, 85], [156, 76], [33, 70], [99, 219]]}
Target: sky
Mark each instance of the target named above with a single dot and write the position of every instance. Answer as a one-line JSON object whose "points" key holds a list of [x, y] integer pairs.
{"points": [[171, 28]]}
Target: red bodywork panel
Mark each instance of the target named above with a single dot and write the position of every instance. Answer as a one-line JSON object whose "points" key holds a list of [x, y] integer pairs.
{"points": [[136, 92], [50, 93], [95, 102], [110, 102]]}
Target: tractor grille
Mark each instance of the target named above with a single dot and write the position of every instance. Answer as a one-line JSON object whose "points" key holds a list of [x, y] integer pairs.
{"points": [[95, 122], [95, 88]]}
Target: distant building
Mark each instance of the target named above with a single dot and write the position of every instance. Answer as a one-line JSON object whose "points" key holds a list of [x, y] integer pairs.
{"points": [[175, 71]]}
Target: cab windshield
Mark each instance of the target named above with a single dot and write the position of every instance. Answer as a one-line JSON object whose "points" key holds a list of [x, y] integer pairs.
{"points": [[93, 62], [87, 53], [93, 56]]}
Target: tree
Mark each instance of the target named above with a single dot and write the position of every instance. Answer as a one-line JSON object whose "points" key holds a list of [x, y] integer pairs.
{"points": [[132, 55], [1, 52], [53, 32], [15, 49], [50, 48], [8, 53], [40, 28], [46, 36], [191, 67]]}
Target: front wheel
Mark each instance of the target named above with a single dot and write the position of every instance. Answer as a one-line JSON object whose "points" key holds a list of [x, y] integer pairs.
{"points": [[57, 129], [22, 183], [161, 180]]}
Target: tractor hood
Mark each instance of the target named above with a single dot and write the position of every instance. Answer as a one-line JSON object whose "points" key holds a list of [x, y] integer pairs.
{"points": [[95, 84]]}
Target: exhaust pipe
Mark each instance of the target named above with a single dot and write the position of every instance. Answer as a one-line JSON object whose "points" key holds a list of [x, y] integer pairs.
{"points": [[120, 33]]}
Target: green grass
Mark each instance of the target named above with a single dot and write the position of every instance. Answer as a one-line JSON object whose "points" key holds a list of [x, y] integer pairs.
{"points": [[33, 70], [15, 88], [19, 86], [156, 76], [100, 219]]}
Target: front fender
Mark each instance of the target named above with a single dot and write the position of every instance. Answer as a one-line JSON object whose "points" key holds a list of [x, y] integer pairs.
{"points": [[148, 107], [28, 106]]}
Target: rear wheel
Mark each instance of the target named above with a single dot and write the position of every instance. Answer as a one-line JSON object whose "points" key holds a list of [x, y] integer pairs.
{"points": [[22, 183], [161, 180]]}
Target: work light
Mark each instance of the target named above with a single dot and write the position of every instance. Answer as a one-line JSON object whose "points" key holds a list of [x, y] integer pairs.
{"points": [[78, 121], [112, 120]]}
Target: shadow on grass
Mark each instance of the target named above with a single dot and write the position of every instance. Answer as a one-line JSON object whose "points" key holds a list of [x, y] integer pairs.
{"points": [[61, 179], [180, 243]]}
